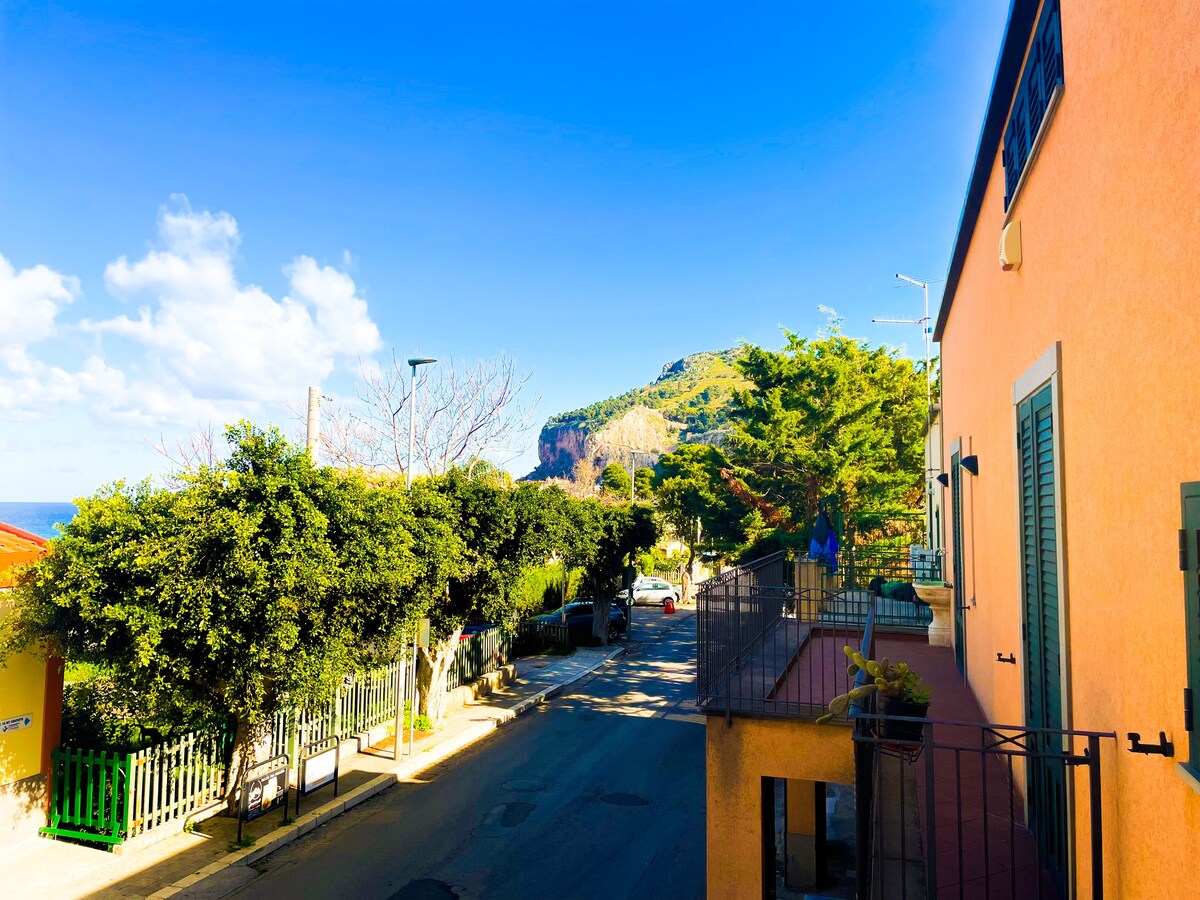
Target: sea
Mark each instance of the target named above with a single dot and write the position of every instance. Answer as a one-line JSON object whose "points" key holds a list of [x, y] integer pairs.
{"points": [[38, 518]]}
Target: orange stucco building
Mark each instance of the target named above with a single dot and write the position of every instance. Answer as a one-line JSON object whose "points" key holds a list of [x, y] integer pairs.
{"points": [[1068, 335]]}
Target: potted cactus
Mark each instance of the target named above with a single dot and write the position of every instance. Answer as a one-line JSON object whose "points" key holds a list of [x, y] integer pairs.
{"points": [[902, 690]]}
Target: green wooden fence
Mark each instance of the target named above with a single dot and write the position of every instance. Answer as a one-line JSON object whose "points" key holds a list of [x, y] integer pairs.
{"points": [[479, 654], [89, 791], [171, 780]]}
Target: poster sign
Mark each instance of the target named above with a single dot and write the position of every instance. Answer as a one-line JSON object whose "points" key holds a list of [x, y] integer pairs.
{"points": [[16, 723], [264, 787], [318, 768]]}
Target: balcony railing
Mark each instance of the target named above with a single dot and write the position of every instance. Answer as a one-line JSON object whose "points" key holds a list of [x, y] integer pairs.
{"points": [[939, 816], [771, 633]]}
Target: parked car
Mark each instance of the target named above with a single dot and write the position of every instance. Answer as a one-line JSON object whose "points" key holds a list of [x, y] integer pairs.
{"points": [[469, 630], [579, 619], [651, 592]]}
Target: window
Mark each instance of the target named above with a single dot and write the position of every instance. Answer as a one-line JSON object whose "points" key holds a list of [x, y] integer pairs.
{"points": [[1042, 76]]}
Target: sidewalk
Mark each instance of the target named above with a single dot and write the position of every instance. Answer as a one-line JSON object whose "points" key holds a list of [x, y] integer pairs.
{"points": [[45, 868]]}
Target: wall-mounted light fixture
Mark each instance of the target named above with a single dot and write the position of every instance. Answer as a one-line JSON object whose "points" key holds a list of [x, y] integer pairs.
{"points": [[970, 463], [944, 479]]}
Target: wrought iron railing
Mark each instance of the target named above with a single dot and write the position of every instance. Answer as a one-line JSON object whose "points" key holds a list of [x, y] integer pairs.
{"points": [[939, 815], [769, 645], [887, 574]]}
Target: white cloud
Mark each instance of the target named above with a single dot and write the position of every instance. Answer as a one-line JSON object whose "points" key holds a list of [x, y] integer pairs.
{"points": [[201, 347]]}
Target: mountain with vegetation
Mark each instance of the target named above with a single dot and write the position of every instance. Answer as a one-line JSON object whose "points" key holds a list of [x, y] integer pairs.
{"points": [[688, 402]]}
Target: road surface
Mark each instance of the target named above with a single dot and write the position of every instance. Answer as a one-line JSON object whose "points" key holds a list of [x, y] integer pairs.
{"points": [[599, 793]]}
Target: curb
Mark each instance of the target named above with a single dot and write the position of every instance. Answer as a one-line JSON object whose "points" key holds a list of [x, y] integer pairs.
{"points": [[280, 837]]}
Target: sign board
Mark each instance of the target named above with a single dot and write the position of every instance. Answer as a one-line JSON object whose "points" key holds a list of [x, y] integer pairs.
{"points": [[16, 723], [423, 633], [264, 788], [318, 769]]}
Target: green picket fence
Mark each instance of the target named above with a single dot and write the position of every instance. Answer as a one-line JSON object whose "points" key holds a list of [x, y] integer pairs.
{"points": [[107, 797], [89, 795], [169, 781], [368, 701], [480, 654]]}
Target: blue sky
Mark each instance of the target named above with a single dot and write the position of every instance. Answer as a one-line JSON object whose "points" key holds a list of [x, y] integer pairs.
{"points": [[206, 207]]}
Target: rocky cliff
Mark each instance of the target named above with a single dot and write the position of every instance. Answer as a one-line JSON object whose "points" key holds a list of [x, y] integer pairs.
{"points": [[689, 401]]}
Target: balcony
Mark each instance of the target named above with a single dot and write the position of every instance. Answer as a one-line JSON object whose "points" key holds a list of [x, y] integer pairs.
{"points": [[770, 634], [963, 810]]}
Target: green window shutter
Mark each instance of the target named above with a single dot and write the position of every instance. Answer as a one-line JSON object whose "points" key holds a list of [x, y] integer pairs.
{"points": [[1039, 522], [1191, 524]]}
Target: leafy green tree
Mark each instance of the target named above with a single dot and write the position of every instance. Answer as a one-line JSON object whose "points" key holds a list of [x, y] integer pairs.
{"points": [[643, 482], [697, 504], [505, 532], [616, 480], [832, 417], [259, 583], [619, 532]]}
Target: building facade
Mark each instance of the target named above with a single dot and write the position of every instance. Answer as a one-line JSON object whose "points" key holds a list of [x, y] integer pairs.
{"points": [[1068, 334]]}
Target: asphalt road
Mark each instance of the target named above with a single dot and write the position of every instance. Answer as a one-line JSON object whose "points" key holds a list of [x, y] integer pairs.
{"points": [[598, 793]]}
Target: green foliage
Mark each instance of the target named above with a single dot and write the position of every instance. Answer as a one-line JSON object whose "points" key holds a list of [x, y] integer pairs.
{"points": [[832, 417], [616, 480], [689, 489], [643, 482], [259, 582]]}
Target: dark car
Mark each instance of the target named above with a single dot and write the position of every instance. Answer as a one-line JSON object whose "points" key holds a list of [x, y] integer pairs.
{"points": [[469, 630], [579, 619]]}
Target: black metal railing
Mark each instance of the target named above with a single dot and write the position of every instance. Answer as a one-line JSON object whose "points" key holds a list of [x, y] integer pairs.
{"points": [[768, 646], [884, 573], [939, 814]]}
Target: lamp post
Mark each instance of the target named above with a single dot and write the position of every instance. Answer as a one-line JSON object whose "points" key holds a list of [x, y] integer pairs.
{"points": [[412, 415]]}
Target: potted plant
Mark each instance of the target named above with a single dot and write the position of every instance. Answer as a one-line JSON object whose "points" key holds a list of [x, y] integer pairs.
{"points": [[902, 690]]}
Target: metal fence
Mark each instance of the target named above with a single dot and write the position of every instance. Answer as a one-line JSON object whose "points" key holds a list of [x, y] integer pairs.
{"points": [[879, 578], [938, 816], [480, 654], [768, 644], [535, 636], [368, 700]]}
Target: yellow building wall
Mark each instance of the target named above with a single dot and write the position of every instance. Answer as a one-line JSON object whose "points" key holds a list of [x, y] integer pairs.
{"points": [[22, 693], [738, 757], [1110, 223]]}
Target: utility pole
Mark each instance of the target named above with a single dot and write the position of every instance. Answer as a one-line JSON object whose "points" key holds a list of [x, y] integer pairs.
{"points": [[314, 424], [412, 416], [926, 332]]}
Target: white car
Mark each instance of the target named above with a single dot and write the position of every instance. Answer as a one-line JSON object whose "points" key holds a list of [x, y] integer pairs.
{"points": [[652, 592]]}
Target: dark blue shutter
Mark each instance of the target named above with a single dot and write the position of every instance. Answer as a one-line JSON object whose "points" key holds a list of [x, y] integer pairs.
{"points": [[1042, 74]]}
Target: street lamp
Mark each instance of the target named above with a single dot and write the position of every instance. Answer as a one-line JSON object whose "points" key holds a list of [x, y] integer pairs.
{"points": [[412, 415]]}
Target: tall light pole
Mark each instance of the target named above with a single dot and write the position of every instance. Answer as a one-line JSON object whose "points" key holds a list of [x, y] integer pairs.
{"points": [[412, 415], [926, 331]]}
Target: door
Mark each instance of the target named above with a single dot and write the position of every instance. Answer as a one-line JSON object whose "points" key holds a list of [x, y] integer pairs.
{"points": [[1048, 813], [960, 600]]}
